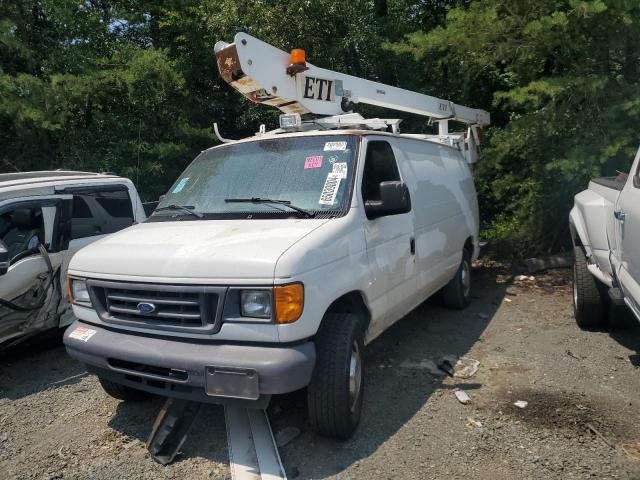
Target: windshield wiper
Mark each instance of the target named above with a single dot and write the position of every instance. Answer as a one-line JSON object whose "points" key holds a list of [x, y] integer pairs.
{"points": [[286, 203], [185, 208]]}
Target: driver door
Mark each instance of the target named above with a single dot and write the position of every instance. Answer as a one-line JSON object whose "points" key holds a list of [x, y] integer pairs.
{"points": [[627, 215], [30, 289], [390, 241]]}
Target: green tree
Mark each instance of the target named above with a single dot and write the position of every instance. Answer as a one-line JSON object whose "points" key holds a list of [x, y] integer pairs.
{"points": [[561, 80]]}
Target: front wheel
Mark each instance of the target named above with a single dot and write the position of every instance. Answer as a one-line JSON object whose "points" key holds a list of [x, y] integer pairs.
{"points": [[457, 293], [334, 396], [588, 296]]}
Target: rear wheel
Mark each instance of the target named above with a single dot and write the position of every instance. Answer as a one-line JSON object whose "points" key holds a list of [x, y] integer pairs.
{"points": [[457, 293], [588, 295], [334, 396], [122, 392]]}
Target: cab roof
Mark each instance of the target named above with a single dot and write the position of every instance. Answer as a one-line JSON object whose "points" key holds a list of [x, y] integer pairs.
{"points": [[27, 178]]}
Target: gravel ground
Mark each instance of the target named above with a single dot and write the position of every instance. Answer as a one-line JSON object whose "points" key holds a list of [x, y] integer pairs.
{"points": [[55, 421]]}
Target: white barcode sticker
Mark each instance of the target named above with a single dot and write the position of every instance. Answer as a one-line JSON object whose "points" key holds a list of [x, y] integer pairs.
{"points": [[331, 146], [330, 189]]}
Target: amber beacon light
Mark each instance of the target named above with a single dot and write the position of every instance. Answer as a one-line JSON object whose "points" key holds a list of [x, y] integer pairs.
{"points": [[297, 62], [289, 301]]}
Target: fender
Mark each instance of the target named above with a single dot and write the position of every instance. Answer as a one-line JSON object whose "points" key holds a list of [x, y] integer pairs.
{"points": [[578, 229]]}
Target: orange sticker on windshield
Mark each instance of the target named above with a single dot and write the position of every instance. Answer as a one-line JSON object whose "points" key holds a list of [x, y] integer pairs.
{"points": [[314, 161]]}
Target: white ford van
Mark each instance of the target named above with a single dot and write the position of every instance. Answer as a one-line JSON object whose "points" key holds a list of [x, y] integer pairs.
{"points": [[273, 261], [270, 264]]}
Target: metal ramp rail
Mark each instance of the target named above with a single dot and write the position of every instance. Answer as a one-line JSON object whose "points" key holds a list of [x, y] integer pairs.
{"points": [[253, 453]]}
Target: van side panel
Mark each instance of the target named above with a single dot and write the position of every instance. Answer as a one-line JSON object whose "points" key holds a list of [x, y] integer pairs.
{"points": [[444, 202]]}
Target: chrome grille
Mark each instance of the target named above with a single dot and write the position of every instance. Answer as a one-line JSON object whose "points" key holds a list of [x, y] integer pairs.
{"points": [[195, 309], [182, 308]]}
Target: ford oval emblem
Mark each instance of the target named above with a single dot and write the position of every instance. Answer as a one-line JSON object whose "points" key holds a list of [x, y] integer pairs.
{"points": [[146, 308]]}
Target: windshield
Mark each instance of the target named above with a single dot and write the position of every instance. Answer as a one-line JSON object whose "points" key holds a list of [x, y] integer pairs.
{"points": [[279, 176]]}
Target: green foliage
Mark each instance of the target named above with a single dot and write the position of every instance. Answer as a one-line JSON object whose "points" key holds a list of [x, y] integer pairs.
{"points": [[560, 78], [132, 86]]}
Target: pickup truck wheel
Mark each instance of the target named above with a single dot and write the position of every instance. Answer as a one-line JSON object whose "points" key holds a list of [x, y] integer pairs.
{"points": [[122, 392], [457, 293], [334, 396], [588, 301]]}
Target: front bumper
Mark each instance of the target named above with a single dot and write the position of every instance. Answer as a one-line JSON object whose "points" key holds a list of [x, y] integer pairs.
{"points": [[206, 372]]}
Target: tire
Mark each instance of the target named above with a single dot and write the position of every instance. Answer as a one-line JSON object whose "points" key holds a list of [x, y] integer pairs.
{"points": [[589, 305], [122, 392], [336, 390], [457, 293]]}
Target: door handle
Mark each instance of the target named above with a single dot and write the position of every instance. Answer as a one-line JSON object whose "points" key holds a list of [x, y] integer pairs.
{"points": [[412, 245], [620, 215]]}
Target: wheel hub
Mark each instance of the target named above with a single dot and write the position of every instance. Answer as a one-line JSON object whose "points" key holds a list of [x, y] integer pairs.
{"points": [[355, 376], [466, 278], [575, 289]]}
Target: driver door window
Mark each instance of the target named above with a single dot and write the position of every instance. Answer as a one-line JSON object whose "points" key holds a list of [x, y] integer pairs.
{"points": [[379, 166], [22, 230]]}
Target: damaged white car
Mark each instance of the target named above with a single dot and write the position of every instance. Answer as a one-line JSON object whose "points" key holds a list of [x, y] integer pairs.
{"points": [[46, 217]]}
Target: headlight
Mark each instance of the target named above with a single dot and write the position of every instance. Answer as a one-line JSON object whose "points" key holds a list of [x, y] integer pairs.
{"points": [[78, 292], [255, 303]]}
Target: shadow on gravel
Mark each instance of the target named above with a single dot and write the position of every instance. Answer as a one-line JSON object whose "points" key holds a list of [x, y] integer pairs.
{"points": [[207, 438], [396, 389], [38, 364], [628, 335]]}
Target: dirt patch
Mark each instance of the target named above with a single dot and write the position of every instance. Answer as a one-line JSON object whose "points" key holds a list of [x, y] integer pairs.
{"points": [[565, 411]]}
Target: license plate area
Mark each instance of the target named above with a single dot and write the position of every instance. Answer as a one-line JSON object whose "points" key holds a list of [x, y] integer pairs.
{"points": [[232, 382]]}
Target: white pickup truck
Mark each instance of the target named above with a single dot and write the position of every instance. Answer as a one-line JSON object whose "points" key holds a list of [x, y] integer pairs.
{"points": [[605, 228], [45, 218]]}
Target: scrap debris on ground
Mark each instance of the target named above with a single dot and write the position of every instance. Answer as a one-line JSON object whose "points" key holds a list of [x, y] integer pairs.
{"points": [[581, 419]]}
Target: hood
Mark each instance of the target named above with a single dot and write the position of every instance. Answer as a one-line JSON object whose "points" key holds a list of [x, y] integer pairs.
{"points": [[206, 249]]}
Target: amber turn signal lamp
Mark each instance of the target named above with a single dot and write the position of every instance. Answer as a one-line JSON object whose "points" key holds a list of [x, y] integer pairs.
{"points": [[289, 300], [69, 295]]}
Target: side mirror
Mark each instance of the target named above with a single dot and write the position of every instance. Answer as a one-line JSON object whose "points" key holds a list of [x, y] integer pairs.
{"points": [[394, 199], [4, 258], [636, 181]]}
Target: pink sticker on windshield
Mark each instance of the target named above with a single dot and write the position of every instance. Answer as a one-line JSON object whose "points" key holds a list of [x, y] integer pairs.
{"points": [[313, 161]]}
